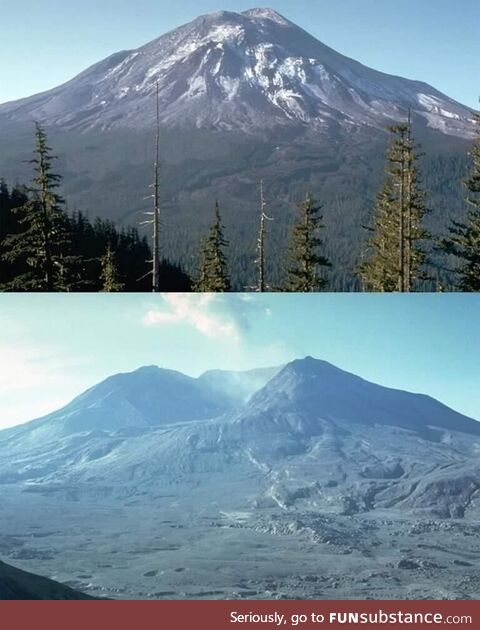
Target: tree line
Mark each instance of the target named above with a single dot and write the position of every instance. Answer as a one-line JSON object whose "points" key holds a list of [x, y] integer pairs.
{"points": [[43, 248]]}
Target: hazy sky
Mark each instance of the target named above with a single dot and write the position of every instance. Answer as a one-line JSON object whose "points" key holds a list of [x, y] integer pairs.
{"points": [[46, 42], [53, 347]]}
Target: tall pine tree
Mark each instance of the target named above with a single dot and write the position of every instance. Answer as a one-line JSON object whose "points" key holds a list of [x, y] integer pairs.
{"points": [[396, 254], [214, 276], [464, 239], [305, 258], [43, 247], [380, 273]]}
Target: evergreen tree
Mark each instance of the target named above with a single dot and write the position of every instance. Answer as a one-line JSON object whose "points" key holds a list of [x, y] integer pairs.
{"points": [[464, 239], [43, 245], [305, 257], [10, 202], [214, 276], [380, 273], [5, 213], [4, 210], [396, 253], [109, 275]]}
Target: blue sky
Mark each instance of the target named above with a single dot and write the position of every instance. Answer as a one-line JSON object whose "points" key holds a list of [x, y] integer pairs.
{"points": [[55, 346], [45, 43]]}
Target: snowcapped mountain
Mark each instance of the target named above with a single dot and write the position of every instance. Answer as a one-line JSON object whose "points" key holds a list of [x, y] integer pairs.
{"points": [[312, 425], [249, 71]]}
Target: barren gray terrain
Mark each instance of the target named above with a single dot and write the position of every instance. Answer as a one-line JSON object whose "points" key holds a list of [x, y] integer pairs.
{"points": [[319, 485]]}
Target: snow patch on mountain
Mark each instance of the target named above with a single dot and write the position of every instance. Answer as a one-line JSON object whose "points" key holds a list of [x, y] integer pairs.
{"points": [[246, 71], [267, 14]]}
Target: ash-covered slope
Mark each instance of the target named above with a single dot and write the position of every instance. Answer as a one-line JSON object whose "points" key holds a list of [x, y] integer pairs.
{"points": [[145, 398], [149, 397], [16, 584], [247, 71], [316, 390], [313, 438]]}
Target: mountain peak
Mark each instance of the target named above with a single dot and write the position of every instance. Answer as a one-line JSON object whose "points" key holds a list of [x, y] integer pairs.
{"points": [[309, 365], [147, 369], [322, 390], [266, 14], [225, 70]]}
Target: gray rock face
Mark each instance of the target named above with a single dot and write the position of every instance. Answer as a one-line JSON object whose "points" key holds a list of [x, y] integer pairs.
{"points": [[148, 397], [321, 391], [248, 71], [313, 437]]}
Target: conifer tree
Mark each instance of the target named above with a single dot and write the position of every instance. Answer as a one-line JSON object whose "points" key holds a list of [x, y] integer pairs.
{"points": [[110, 275], [214, 276], [43, 245], [10, 202], [5, 213], [305, 257], [396, 247], [4, 209], [380, 273], [464, 239]]}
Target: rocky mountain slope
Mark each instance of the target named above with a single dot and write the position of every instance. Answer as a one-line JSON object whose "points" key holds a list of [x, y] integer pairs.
{"points": [[245, 71], [313, 435], [148, 397], [378, 487]]}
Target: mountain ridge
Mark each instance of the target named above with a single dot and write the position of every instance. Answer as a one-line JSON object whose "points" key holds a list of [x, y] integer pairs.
{"points": [[273, 128], [194, 509], [313, 437], [125, 398], [311, 383], [230, 70]]}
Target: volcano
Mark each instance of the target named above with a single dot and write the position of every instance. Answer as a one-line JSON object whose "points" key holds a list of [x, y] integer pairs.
{"points": [[245, 71]]}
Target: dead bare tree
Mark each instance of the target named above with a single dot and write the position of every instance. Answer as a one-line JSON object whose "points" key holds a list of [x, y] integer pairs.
{"points": [[260, 262]]}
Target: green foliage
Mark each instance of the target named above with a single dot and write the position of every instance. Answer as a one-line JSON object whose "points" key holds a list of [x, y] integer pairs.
{"points": [[132, 258], [109, 275], [464, 240], [305, 257], [380, 272], [109, 174], [102, 176], [9, 226], [396, 256], [213, 270], [43, 249], [42, 246]]}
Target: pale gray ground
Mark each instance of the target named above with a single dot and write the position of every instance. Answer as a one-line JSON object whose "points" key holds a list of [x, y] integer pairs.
{"points": [[159, 551]]}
